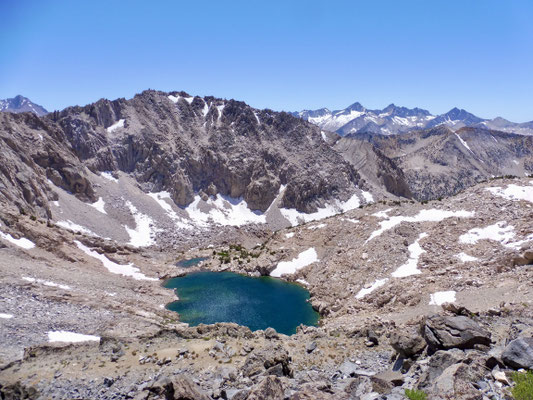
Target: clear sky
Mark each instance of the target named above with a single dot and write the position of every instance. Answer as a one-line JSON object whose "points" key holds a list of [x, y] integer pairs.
{"points": [[284, 55]]}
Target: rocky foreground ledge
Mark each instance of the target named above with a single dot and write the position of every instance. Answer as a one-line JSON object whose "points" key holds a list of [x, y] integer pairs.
{"points": [[455, 354]]}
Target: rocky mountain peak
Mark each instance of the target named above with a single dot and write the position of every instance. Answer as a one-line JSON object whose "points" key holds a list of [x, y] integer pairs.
{"points": [[20, 104]]}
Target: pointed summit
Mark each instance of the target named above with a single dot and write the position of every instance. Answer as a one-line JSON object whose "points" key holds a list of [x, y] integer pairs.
{"points": [[20, 104]]}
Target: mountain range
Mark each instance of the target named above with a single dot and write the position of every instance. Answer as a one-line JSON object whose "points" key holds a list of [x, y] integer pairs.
{"points": [[20, 104], [394, 119]]}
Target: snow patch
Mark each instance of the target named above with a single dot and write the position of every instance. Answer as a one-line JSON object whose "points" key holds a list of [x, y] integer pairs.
{"points": [[6, 316], [99, 205], [303, 282], [107, 175], [513, 192], [319, 226], [296, 217], [173, 99], [144, 232], [71, 226], [115, 126], [363, 292], [500, 232], [431, 215], [224, 210], [304, 259], [367, 196], [439, 298], [466, 258], [464, 143], [71, 337], [324, 137], [289, 235], [113, 267], [160, 199], [22, 242], [411, 266], [382, 214], [46, 283]]}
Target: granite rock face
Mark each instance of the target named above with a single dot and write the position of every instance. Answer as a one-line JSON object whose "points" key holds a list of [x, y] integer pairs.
{"points": [[176, 143]]}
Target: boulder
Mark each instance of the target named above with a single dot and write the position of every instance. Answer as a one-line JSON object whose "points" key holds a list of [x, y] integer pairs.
{"points": [[438, 363], [178, 388], [407, 342], [270, 388], [455, 382], [519, 353], [259, 361], [460, 332]]}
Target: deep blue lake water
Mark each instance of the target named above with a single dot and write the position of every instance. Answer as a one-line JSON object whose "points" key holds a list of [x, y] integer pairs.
{"points": [[259, 303]]}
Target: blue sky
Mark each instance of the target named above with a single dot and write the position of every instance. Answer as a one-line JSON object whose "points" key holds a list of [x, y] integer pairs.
{"points": [[284, 55]]}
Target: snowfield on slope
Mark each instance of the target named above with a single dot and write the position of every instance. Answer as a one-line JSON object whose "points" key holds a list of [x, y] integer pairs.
{"points": [[22, 242], [430, 215], [513, 192], [304, 259], [296, 217], [126, 270], [223, 210]]}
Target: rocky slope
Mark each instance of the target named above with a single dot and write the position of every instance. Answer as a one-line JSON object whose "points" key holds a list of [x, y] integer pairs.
{"points": [[439, 162], [20, 104], [180, 162], [393, 120], [431, 296]]}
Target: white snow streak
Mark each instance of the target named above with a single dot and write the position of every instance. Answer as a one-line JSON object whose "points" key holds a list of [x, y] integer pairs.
{"points": [[160, 198], [22, 242], [289, 235], [464, 143], [411, 266], [304, 259], [113, 267], [115, 126], [363, 292], [99, 205], [431, 215], [46, 283], [6, 316], [68, 224], [107, 175], [71, 337], [466, 258], [144, 232], [296, 217]]}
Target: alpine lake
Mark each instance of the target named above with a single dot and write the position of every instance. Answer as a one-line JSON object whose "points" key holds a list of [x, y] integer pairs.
{"points": [[258, 303]]}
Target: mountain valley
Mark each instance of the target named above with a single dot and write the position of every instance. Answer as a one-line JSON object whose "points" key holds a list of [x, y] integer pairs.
{"points": [[415, 247]]}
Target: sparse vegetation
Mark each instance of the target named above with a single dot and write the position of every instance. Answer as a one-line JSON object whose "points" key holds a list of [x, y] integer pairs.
{"points": [[523, 389], [414, 394]]}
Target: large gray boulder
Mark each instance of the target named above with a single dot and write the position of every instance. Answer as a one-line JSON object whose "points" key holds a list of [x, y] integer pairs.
{"points": [[270, 388], [519, 353], [407, 342], [460, 332]]}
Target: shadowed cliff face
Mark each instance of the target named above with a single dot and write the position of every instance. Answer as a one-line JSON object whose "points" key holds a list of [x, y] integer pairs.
{"points": [[176, 143]]}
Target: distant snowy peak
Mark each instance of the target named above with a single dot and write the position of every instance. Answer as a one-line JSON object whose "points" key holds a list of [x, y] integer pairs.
{"points": [[19, 104], [395, 119]]}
